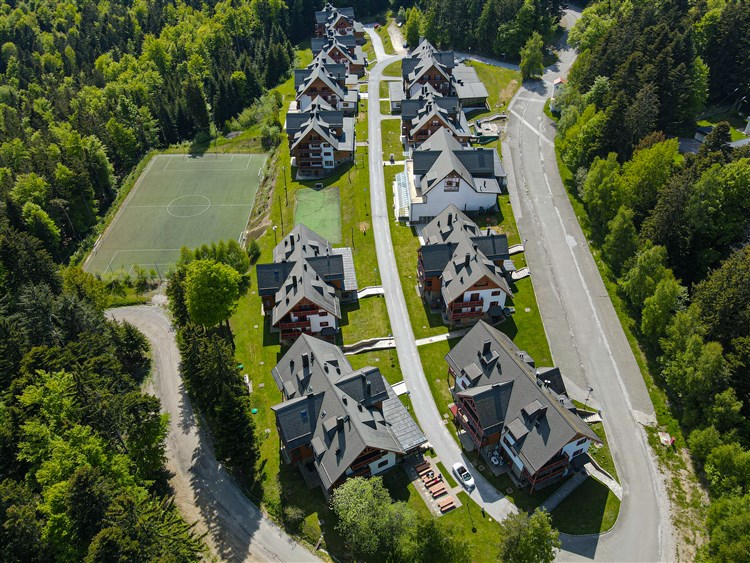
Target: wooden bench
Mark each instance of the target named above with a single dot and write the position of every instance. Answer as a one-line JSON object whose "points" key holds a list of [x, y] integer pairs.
{"points": [[422, 466], [446, 504], [429, 476], [439, 492], [425, 470], [432, 482]]}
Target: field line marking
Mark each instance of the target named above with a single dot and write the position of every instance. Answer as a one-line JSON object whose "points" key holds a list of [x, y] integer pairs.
{"points": [[250, 213], [123, 205], [147, 250], [191, 205]]}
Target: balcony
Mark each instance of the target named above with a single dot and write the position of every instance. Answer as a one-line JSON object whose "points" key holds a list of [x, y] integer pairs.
{"points": [[465, 304], [293, 334], [465, 315], [298, 324]]}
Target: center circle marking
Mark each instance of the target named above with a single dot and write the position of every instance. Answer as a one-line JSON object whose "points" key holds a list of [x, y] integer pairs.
{"points": [[188, 206]]}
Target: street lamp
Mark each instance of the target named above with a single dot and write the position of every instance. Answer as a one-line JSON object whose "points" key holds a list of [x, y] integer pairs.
{"points": [[586, 404], [286, 197], [274, 235]]}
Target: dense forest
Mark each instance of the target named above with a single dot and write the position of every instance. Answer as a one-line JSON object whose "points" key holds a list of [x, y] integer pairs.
{"points": [[493, 27], [674, 228], [87, 88]]}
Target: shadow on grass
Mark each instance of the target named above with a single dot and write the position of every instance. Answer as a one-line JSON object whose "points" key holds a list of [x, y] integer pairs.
{"points": [[590, 509]]}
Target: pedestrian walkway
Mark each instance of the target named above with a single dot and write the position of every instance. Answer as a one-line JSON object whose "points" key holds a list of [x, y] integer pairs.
{"points": [[605, 479], [370, 291], [554, 500], [440, 337]]}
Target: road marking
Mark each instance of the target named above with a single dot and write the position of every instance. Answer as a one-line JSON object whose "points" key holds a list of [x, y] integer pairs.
{"points": [[530, 126]]}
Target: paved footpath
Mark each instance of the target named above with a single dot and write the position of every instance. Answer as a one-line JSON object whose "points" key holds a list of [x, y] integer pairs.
{"points": [[427, 413]]}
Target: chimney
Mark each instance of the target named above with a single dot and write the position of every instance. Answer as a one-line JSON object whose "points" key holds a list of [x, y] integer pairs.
{"points": [[486, 347], [305, 361], [291, 240], [450, 219], [369, 388], [294, 281], [340, 422], [467, 259]]}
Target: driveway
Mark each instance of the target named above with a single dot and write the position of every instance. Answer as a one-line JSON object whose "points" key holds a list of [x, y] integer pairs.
{"points": [[204, 491], [427, 413], [584, 332]]}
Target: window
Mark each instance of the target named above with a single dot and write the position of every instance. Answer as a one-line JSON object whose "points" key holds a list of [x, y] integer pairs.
{"points": [[323, 313], [578, 451], [324, 324], [494, 303], [581, 441], [494, 293], [383, 463]]}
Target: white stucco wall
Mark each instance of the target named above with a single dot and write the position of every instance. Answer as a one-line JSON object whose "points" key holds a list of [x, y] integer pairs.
{"points": [[486, 295], [571, 447], [390, 457], [437, 199], [315, 321]]}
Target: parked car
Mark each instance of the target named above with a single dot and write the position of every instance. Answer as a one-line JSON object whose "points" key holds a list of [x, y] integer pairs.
{"points": [[405, 45], [464, 476], [377, 25], [400, 24]]}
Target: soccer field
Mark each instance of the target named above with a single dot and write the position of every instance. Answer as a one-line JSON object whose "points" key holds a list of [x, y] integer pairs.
{"points": [[179, 200]]}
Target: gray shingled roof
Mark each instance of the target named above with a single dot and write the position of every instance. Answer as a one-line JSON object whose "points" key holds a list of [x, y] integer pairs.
{"points": [[441, 154], [450, 238], [466, 83], [303, 283], [467, 267], [329, 11], [433, 109], [533, 414], [410, 108], [317, 121], [320, 71], [332, 408], [295, 121], [424, 53], [337, 71], [301, 242]]}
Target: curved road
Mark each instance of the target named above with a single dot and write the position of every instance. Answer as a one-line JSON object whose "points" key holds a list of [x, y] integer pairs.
{"points": [[585, 335], [584, 332], [204, 491]]}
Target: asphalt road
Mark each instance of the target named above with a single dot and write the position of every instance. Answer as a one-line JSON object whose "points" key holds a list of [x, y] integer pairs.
{"points": [[423, 404], [584, 332], [204, 491]]}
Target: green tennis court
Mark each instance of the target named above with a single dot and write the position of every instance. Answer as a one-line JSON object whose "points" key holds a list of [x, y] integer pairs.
{"points": [[179, 200], [320, 210]]}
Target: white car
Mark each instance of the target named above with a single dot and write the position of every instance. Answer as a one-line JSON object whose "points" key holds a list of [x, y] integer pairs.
{"points": [[464, 476]]}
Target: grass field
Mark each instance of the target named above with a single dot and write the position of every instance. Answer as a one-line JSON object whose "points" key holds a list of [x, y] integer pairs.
{"points": [[320, 210], [501, 84], [179, 200]]}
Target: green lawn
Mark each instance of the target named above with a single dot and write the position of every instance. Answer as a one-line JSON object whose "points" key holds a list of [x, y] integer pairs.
{"points": [[447, 475], [360, 123], [736, 123], [386, 38], [385, 360], [384, 92], [501, 83], [591, 509], [391, 130], [468, 521], [603, 455], [385, 107], [394, 69], [369, 50], [366, 318]]}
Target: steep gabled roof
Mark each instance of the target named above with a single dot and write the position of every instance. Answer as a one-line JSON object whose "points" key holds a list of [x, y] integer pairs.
{"points": [[304, 284], [337, 410], [466, 268], [330, 11], [533, 415], [301, 242], [321, 72]]}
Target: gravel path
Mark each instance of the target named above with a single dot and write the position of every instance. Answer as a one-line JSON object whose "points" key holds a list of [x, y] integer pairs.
{"points": [[204, 491]]}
